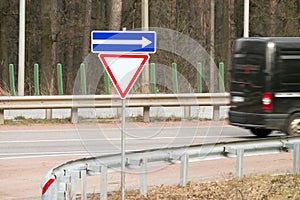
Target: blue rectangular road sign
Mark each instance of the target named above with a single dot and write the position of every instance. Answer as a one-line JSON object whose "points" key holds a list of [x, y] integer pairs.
{"points": [[123, 42]]}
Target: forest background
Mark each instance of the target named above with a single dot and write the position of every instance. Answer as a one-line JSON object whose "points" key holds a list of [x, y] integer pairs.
{"points": [[58, 31]]}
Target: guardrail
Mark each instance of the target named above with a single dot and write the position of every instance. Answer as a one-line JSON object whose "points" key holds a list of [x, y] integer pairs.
{"points": [[60, 182], [110, 101]]}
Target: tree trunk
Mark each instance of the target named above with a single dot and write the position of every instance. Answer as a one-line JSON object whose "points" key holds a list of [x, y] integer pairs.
{"points": [[3, 52], [273, 5], [231, 36], [213, 71], [46, 45], [115, 20], [54, 38], [115, 14], [69, 67], [87, 29]]}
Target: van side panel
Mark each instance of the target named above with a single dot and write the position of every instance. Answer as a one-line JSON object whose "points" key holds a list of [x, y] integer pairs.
{"points": [[286, 81]]}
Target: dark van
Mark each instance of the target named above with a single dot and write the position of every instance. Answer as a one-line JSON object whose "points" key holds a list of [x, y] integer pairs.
{"points": [[265, 85]]}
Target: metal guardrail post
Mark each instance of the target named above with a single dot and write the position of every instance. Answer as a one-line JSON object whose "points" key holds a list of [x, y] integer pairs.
{"points": [[296, 156], [73, 188], [103, 182], [49, 114], [146, 113], [61, 188], [239, 163], [187, 112], [184, 170], [143, 177], [296, 160], [83, 184], [216, 113], [74, 115]]}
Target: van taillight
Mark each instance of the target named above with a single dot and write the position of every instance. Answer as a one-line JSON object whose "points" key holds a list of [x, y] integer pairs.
{"points": [[267, 103]]}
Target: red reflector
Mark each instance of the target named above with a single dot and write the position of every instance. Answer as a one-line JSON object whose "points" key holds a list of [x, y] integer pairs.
{"points": [[267, 103], [47, 185]]}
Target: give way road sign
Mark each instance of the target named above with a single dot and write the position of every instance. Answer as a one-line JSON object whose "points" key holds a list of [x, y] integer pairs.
{"points": [[123, 69]]}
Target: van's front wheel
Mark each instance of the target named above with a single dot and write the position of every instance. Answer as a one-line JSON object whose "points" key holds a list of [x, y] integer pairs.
{"points": [[260, 132], [294, 125]]}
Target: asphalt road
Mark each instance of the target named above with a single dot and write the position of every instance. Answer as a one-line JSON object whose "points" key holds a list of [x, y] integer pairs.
{"points": [[93, 140]]}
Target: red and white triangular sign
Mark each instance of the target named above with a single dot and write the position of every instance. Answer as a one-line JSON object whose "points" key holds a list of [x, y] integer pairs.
{"points": [[123, 69]]}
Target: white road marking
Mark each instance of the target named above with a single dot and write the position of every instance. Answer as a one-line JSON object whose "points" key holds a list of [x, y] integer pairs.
{"points": [[111, 139]]}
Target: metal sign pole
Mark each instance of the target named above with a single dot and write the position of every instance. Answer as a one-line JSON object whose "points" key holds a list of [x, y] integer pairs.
{"points": [[123, 148]]}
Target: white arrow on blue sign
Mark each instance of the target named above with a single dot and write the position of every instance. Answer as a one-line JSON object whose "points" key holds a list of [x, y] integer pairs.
{"points": [[123, 42]]}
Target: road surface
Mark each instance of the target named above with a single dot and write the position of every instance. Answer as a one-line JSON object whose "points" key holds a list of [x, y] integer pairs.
{"points": [[28, 152]]}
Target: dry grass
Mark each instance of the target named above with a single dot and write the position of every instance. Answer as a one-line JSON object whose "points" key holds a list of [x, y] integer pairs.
{"points": [[261, 187]]}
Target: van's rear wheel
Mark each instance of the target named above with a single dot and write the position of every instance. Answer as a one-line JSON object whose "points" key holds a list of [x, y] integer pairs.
{"points": [[260, 132], [294, 125]]}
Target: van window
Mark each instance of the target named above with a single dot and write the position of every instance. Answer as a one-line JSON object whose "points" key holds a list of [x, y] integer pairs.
{"points": [[290, 72]]}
